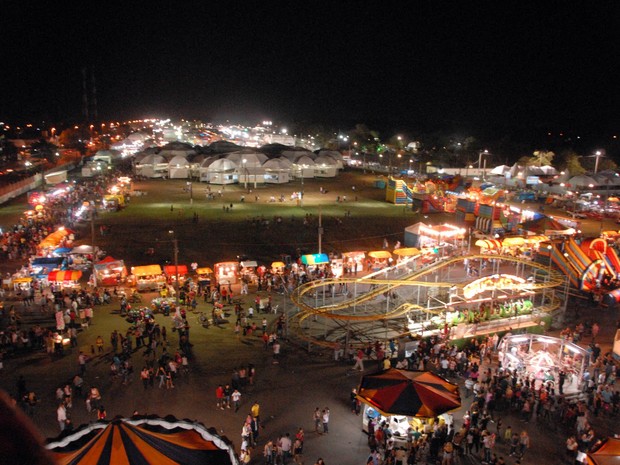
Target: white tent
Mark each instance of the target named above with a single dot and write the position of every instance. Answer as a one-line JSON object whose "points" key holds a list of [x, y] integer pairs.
{"points": [[221, 171], [176, 148], [247, 159], [294, 155], [500, 170], [108, 156], [203, 167], [178, 168], [277, 171], [325, 167], [335, 155], [582, 182], [152, 166], [549, 170], [303, 168]]}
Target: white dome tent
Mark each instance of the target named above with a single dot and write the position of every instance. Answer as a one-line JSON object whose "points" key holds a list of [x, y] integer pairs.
{"points": [[152, 166], [325, 167], [178, 168], [108, 156], [174, 149], [222, 171], [277, 171], [303, 168], [203, 168], [335, 155], [294, 155]]}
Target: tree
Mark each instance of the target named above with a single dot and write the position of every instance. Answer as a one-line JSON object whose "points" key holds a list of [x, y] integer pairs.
{"points": [[541, 158], [572, 164], [44, 149]]}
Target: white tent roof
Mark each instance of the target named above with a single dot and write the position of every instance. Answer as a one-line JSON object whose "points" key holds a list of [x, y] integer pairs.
{"points": [[549, 170], [294, 155], [152, 160], [582, 180], [108, 153], [208, 162], [501, 169], [252, 159], [324, 160], [331, 153], [222, 165], [178, 161], [277, 164], [305, 161]]}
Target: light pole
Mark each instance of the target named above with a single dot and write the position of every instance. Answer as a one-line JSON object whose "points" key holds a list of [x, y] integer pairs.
{"points": [[245, 175], [175, 243], [191, 192], [484, 165], [597, 155]]}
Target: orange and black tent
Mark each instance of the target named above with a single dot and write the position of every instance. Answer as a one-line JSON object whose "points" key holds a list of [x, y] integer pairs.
{"points": [[143, 440], [412, 393], [606, 452]]}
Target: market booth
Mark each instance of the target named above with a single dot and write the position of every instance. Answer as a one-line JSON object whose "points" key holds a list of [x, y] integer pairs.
{"points": [[205, 275], [68, 279], [227, 272], [42, 266], [110, 272], [172, 271], [402, 397], [380, 259], [353, 262], [148, 277]]}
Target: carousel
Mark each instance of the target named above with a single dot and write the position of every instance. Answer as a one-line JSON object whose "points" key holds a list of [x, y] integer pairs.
{"points": [[542, 359]]}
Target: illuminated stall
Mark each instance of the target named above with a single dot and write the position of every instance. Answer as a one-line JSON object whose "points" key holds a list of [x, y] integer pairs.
{"points": [[68, 279], [380, 259], [421, 235], [353, 261], [226, 272], [541, 358], [110, 272], [148, 277], [205, 274], [171, 272]]}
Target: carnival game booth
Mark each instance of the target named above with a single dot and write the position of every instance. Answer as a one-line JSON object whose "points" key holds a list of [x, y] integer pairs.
{"points": [[142, 440], [110, 272], [315, 261], [541, 358], [68, 279], [353, 262], [380, 259], [42, 266], [226, 272], [172, 271], [205, 275], [402, 398], [248, 270], [147, 277], [421, 235]]}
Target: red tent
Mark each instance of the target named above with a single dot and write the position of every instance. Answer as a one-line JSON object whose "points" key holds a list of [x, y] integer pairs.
{"points": [[607, 452], [411, 393]]}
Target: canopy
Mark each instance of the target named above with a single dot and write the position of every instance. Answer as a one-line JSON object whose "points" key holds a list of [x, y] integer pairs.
{"points": [[278, 265], [249, 264], [513, 241], [172, 270], [61, 276], [55, 238], [355, 254], [488, 243], [314, 259], [407, 252], [62, 251], [110, 264], [411, 393], [125, 441], [82, 249], [605, 453], [146, 270], [205, 270], [380, 254]]}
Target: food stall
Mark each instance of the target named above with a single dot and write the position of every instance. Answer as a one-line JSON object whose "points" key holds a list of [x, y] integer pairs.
{"points": [[248, 270], [148, 277], [205, 275], [380, 259], [68, 279], [172, 271], [21, 284], [402, 398], [110, 272], [42, 266], [353, 262], [226, 272], [278, 267]]}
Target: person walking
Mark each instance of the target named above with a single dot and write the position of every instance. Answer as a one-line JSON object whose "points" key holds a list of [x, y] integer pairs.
{"points": [[325, 419], [236, 398], [317, 417], [359, 360]]}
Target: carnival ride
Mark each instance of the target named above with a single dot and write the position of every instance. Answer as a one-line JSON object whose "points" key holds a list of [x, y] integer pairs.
{"points": [[415, 299]]}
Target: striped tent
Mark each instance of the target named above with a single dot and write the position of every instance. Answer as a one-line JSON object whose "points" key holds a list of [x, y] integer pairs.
{"points": [[490, 244], [62, 276], [412, 393], [143, 440]]}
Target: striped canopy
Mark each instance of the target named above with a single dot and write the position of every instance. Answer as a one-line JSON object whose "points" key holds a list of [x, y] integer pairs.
{"points": [[143, 441], [488, 243], [412, 393], [68, 275]]}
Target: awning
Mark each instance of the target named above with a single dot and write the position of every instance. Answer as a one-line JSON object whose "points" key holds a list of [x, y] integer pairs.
{"points": [[536, 239], [488, 243], [278, 265], [146, 270], [249, 264], [314, 259], [172, 270], [82, 249], [380, 254], [21, 280], [205, 270], [62, 276], [62, 251], [356, 254], [407, 252], [513, 241]]}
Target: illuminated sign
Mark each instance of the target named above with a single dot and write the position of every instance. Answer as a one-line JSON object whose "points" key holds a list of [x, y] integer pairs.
{"points": [[490, 283]]}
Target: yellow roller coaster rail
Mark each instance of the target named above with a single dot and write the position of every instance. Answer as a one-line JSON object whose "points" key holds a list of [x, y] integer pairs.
{"points": [[300, 297]]}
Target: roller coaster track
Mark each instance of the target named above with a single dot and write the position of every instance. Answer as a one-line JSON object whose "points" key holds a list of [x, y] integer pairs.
{"points": [[553, 279]]}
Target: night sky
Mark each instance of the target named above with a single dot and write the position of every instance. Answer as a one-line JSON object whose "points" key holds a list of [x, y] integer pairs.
{"points": [[475, 65]]}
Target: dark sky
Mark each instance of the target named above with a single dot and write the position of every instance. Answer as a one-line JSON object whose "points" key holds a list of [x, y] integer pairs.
{"points": [[406, 64]]}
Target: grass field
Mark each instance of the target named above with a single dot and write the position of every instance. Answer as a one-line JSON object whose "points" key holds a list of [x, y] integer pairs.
{"points": [[249, 228]]}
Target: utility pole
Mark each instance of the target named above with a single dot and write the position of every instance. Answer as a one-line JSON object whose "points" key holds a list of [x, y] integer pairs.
{"points": [[320, 229], [92, 242]]}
